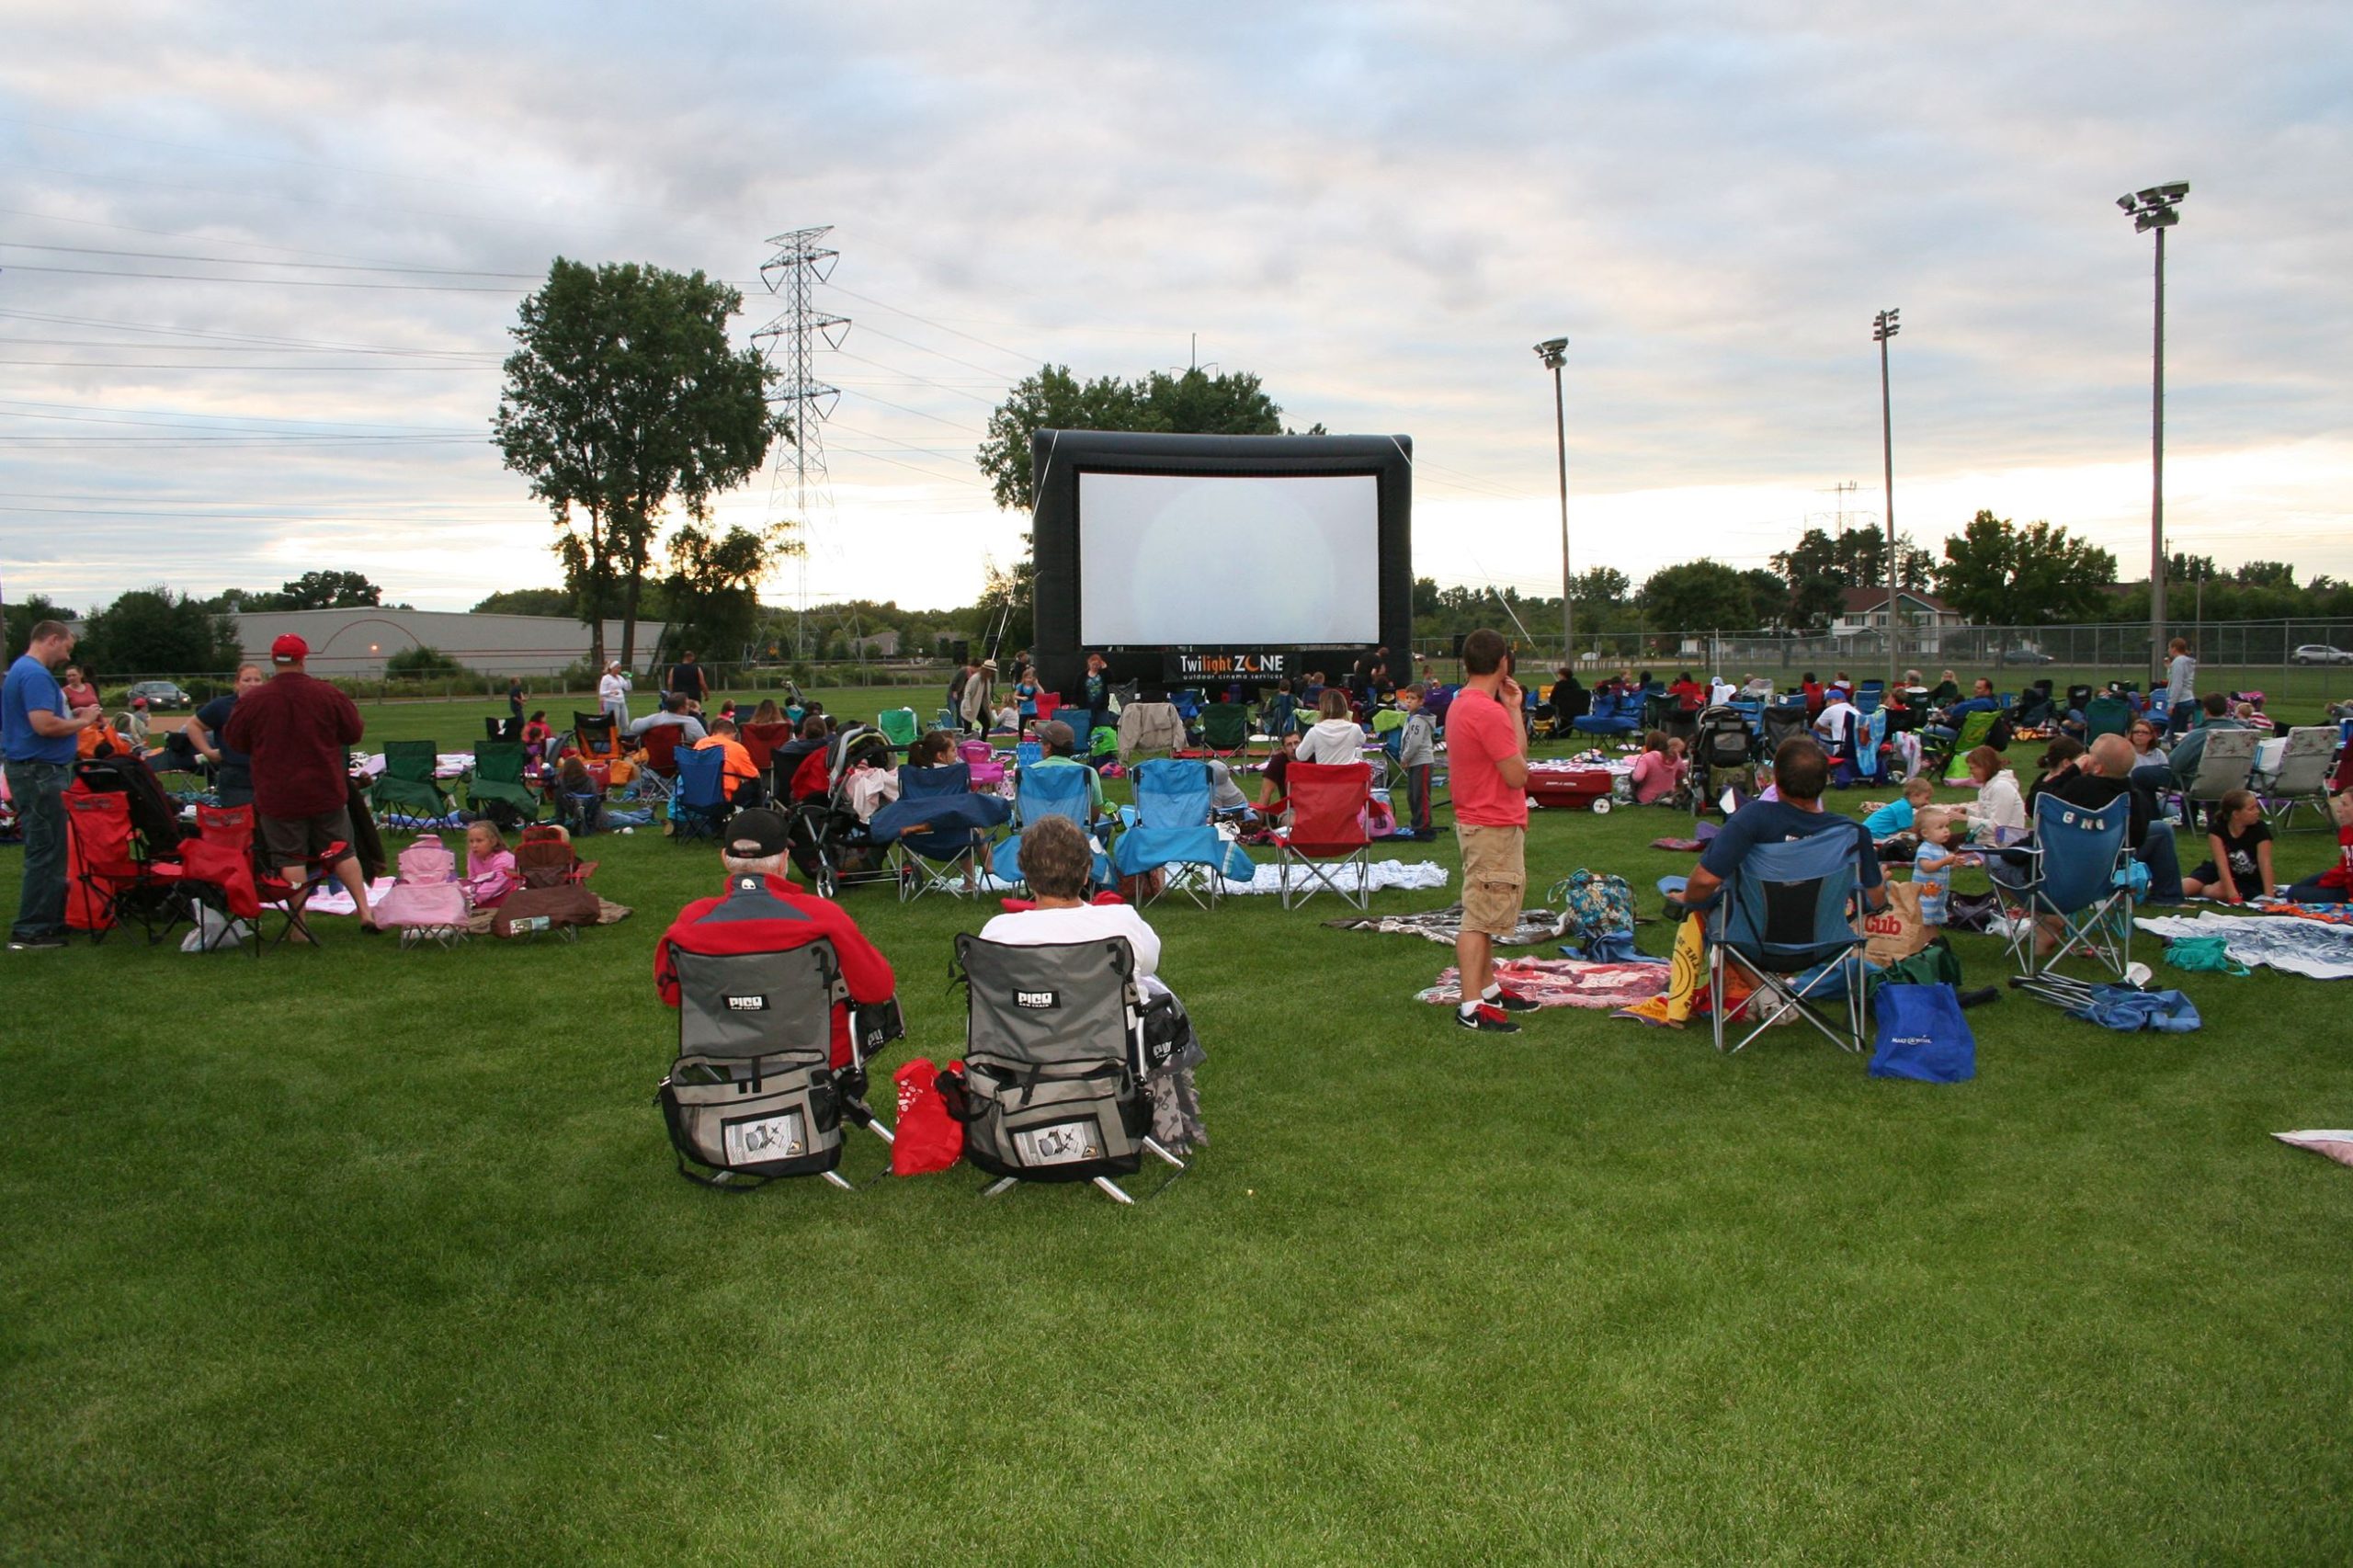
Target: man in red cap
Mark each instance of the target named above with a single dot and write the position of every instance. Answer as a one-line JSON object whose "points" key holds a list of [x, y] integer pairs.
{"points": [[294, 728]]}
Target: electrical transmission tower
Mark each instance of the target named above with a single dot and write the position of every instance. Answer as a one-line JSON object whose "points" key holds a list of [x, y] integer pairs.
{"points": [[801, 262]]}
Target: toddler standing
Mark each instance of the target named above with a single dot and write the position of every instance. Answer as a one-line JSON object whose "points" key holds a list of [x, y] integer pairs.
{"points": [[1417, 753], [1932, 867]]}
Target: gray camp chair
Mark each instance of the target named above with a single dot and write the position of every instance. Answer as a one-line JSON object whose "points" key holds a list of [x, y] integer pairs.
{"points": [[2302, 777], [2225, 763], [1054, 1061], [753, 1096]]}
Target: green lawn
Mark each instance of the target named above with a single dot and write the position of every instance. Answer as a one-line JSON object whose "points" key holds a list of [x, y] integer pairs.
{"points": [[365, 1254]]}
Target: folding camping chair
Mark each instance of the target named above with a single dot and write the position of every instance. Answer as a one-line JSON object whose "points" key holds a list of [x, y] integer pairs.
{"points": [[1784, 921], [1226, 729], [2107, 715], [498, 780], [946, 860], [1176, 826], [2072, 865], [2302, 777], [598, 735], [753, 1092], [218, 865], [899, 726], [658, 778], [2225, 762], [1870, 697], [114, 877], [1327, 834], [760, 741], [1974, 728], [498, 729], [699, 804], [408, 785], [1055, 1093], [1053, 791]]}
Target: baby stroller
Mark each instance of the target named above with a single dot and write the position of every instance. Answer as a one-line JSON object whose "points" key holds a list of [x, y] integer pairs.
{"points": [[1722, 753], [830, 845]]}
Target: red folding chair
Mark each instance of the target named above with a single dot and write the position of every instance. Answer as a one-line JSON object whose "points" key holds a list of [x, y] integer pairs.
{"points": [[761, 741], [1328, 807], [219, 867], [661, 771], [119, 873]]}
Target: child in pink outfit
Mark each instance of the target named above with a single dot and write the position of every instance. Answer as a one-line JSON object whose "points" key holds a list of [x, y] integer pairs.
{"points": [[490, 867]]}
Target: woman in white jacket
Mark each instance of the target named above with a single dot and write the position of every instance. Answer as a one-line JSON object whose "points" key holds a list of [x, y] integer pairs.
{"points": [[1998, 814], [1337, 736], [612, 694]]}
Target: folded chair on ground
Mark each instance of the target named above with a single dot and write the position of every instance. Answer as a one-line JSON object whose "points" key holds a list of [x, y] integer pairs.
{"points": [[1325, 842], [2302, 777], [753, 1095], [935, 830], [408, 785], [1054, 1061], [1174, 826], [496, 787], [2068, 870], [1783, 925], [699, 804]]}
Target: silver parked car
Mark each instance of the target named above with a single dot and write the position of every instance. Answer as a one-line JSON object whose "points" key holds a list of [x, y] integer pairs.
{"points": [[2320, 654]]}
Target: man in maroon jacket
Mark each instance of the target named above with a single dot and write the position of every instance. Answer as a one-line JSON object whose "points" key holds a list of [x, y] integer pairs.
{"points": [[295, 728], [762, 913]]}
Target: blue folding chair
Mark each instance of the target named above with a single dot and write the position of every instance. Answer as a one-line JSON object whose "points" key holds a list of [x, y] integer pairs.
{"points": [[1872, 694], [1784, 921], [934, 830], [1041, 792], [698, 805], [2071, 869], [1175, 826]]}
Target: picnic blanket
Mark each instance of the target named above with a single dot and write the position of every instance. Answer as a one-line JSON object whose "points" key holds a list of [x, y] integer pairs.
{"points": [[332, 900], [2317, 949], [1536, 926], [1410, 874], [1562, 982]]}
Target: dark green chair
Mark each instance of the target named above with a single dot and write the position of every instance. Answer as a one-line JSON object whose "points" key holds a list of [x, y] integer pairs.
{"points": [[407, 784], [1225, 729], [498, 775]]}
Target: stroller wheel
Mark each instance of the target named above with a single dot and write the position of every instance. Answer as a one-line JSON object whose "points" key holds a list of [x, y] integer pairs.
{"points": [[829, 886]]}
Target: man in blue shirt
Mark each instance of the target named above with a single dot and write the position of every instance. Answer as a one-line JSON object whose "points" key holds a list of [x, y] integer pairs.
{"points": [[1981, 699], [1801, 772], [38, 733]]}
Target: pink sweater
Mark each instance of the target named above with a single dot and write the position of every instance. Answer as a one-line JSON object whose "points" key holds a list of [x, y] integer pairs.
{"points": [[488, 881], [1656, 774]]}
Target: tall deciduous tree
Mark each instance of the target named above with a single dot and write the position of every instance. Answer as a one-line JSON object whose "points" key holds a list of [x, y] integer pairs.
{"points": [[712, 590], [23, 617], [1701, 596], [330, 590], [1998, 574], [625, 397], [1821, 566], [158, 631]]}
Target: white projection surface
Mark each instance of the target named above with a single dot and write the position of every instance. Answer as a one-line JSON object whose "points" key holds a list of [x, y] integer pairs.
{"points": [[1215, 560]]}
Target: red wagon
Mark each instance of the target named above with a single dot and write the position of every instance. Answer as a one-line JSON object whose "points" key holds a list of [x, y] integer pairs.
{"points": [[1570, 789]]}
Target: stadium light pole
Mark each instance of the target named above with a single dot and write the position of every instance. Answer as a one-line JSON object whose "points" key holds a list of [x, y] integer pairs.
{"points": [[2159, 209], [1883, 327], [1555, 352]]}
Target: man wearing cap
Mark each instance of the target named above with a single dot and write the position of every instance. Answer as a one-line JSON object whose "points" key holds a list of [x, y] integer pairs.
{"points": [[761, 912], [1059, 742], [294, 729], [40, 734]]}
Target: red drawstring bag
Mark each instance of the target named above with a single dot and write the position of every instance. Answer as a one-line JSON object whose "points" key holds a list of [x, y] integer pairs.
{"points": [[927, 1138]]}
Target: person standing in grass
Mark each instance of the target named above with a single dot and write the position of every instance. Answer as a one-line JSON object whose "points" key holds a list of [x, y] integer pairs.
{"points": [[612, 694], [2181, 684], [1487, 749], [39, 732], [1417, 754], [294, 728], [233, 770]]}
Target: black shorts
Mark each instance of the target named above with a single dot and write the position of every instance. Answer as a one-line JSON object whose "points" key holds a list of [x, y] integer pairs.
{"points": [[290, 840]]}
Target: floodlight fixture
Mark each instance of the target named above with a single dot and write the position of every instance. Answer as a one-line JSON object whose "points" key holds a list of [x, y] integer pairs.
{"points": [[1555, 352], [1885, 325]]}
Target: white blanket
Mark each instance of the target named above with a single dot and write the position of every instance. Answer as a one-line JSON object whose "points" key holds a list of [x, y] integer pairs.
{"points": [[1382, 874], [2313, 948]]}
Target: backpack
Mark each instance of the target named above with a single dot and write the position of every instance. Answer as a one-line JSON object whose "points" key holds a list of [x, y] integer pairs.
{"points": [[1594, 905], [1922, 1035]]}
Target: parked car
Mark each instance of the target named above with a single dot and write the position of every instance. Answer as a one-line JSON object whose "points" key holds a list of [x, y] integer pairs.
{"points": [[2026, 656], [2320, 654], [159, 694]]}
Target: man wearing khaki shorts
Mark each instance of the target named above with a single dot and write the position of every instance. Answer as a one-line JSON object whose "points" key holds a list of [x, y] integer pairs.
{"points": [[1486, 753]]}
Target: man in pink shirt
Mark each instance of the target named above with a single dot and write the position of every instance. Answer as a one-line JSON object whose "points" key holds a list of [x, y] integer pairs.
{"points": [[1486, 751]]}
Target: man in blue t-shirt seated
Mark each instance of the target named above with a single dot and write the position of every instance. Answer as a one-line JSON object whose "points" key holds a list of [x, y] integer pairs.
{"points": [[1801, 771]]}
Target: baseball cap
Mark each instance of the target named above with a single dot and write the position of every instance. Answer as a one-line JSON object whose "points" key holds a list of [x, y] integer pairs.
{"points": [[756, 833], [1054, 732], [288, 649]]}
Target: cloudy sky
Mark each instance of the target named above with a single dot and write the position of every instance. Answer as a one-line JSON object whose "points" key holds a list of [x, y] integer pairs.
{"points": [[257, 263]]}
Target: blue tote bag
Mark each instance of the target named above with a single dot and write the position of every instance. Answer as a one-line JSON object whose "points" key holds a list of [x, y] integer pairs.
{"points": [[1922, 1035]]}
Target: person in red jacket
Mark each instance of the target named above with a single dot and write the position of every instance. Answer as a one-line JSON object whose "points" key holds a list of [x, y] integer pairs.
{"points": [[294, 729], [2334, 885], [761, 912]]}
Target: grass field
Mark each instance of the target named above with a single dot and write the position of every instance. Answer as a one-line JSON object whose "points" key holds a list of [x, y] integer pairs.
{"points": [[371, 1254]]}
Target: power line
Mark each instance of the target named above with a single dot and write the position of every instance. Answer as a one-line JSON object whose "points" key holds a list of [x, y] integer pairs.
{"points": [[244, 261], [265, 282]]}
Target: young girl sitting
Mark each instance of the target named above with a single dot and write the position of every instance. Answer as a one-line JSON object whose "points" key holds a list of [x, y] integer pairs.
{"points": [[490, 867], [2239, 841], [1932, 866]]}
